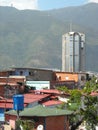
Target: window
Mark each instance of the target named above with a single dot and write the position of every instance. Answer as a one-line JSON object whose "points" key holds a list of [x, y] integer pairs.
{"points": [[21, 72]]}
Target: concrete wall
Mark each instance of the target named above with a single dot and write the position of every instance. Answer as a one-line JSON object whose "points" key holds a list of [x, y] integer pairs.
{"points": [[35, 74]]}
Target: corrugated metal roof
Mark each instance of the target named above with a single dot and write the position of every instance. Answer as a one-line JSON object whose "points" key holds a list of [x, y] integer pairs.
{"points": [[28, 98], [51, 103], [41, 111], [53, 91], [34, 97], [6, 105]]}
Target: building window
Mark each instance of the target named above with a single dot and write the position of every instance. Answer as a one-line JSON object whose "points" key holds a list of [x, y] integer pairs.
{"points": [[82, 78], [21, 72]]}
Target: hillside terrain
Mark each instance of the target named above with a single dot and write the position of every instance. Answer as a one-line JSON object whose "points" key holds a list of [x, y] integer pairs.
{"points": [[30, 38]]}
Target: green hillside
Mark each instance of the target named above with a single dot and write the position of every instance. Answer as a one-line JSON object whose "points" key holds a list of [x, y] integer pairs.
{"points": [[34, 38]]}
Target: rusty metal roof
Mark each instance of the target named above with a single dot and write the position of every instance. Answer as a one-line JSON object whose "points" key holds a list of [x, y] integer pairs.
{"points": [[51, 103]]}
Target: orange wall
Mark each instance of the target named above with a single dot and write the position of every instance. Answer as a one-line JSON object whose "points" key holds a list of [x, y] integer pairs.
{"points": [[67, 76]]}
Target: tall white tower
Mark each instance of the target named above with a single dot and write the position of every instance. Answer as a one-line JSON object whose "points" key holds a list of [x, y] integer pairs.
{"points": [[73, 52]]}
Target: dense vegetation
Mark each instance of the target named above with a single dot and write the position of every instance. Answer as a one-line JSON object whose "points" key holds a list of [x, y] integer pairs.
{"points": [[84, 105], [34, 38]]}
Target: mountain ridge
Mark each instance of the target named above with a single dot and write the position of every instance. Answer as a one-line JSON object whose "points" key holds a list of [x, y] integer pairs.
{"points": [[32, 38]]}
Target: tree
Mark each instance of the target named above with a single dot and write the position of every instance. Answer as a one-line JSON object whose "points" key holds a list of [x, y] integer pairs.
{"points": [[91, 85], [90, 112], [25, 124], [85, 106]]}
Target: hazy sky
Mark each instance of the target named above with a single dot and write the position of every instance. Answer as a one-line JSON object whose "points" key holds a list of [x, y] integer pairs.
{"points": [[43, 4]]}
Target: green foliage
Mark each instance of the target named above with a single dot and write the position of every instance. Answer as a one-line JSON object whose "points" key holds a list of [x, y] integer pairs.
{"points": [[26, 124], [73, 106], [91, 111], [62, 106], [91, 86], [75, 96], [84, 105], [63, 89]]}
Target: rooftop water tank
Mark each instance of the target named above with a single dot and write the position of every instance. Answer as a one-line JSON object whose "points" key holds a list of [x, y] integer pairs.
{"points": [[18, 102]]}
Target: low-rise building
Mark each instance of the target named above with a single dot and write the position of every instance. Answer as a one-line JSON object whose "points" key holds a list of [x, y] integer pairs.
{"points": [[49, 118], [78, 78]]}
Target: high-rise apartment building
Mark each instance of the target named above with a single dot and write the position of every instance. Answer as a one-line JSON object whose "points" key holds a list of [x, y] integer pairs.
{"points": [[73, 52]]}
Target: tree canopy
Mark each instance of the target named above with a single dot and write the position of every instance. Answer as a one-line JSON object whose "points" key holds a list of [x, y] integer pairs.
{"points": [[85, 105]]}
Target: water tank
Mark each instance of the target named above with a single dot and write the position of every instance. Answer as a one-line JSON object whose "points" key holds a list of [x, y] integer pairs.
{"points": [[18, 102]]}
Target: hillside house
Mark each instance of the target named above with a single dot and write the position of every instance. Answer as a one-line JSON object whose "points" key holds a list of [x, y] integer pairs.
{"points": [[71, 79]]}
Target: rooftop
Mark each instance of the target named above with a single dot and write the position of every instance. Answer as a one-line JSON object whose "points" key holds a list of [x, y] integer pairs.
{"points": [[52, 102], [49, 91], [28, 98], [41, 111]]}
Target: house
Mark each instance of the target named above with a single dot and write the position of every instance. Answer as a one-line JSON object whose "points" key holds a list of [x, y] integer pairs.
{"points": [[78, 78], [54, 78], [49, 118], [30, 100], [34, 74]]}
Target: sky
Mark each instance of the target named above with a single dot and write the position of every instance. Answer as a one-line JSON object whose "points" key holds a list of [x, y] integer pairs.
{"points": [[43, 4]]}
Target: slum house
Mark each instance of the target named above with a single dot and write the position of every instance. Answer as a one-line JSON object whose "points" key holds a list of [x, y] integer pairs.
{"points": [[56, 97], [30, 100], [49, 118], [34, 74], [71, 79], [55, 78]]}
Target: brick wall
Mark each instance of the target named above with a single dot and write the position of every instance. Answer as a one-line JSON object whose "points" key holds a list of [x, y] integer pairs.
{"points": [[1, 90], [11, 80], [55, 123], [49, 123]]}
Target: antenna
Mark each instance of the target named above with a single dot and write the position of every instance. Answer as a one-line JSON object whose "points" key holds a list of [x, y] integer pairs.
{"points": [[11, 4]]}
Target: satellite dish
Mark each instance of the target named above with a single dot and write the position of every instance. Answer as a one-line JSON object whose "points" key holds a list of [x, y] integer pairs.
{"points": [[40, 127]]}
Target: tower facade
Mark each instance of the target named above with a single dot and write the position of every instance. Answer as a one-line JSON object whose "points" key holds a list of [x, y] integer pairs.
{"points": [[73, 52]]}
